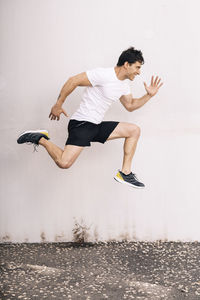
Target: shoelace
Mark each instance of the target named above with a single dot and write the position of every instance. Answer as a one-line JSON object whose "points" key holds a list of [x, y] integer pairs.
{"points": [[132, 177], [35, 146]]}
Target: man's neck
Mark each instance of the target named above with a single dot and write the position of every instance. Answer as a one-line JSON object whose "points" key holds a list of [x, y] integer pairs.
{"points": [[119, 71]]}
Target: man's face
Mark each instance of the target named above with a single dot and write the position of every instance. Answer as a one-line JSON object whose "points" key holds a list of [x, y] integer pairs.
{"points": [[133, 69]]}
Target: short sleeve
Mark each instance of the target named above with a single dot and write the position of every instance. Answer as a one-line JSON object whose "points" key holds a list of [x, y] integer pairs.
{"points": [[96, 76], [127, 89]]}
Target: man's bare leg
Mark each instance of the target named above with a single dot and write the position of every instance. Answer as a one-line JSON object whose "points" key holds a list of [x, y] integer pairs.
{"points": [[131, 133], [130, 145], [63, 158]]}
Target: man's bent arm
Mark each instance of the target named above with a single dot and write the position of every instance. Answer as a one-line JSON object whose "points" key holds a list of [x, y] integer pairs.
{"points": [[78, 80], [138, 102], [151, 90], [131, 103], [66, 90]]}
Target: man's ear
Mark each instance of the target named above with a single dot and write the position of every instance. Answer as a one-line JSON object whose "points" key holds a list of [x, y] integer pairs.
{"points": [[126, 64]]}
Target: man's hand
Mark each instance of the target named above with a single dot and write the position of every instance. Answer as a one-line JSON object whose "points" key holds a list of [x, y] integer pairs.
{"points": [[56, 111], [154, 87]]}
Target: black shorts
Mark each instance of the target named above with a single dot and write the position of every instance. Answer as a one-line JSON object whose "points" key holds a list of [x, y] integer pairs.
{"points": [[81, 133]]}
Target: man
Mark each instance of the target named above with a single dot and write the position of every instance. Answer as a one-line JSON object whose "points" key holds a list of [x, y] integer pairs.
{"points": [[104, 86]]}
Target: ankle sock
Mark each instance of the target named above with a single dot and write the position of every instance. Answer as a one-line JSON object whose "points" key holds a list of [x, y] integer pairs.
{"points": [[126, 174]]}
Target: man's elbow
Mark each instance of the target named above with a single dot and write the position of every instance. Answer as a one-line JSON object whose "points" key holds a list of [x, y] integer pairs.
{"points": [[133, 106], [130, 108], [80, 80]]}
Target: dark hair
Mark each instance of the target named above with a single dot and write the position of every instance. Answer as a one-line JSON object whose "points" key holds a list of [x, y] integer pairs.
{"points": [[130, 55]]}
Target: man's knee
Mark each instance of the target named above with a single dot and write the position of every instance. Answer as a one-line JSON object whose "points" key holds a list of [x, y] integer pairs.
{"points": [[64, 164], [134, 130]]}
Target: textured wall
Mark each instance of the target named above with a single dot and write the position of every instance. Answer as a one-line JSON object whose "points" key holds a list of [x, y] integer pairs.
{"points": [[45, 42]]}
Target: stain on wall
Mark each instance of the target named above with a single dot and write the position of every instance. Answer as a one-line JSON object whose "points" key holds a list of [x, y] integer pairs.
{"points": [[81, 232], [96, 235], [42, 237], [59, 238], [5, 238]]}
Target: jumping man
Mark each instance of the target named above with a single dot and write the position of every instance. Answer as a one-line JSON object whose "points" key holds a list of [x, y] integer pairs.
{"points": [[104, 86]]}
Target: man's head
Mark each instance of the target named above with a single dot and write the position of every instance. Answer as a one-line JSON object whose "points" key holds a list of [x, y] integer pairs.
{"points": [[131, 60]]}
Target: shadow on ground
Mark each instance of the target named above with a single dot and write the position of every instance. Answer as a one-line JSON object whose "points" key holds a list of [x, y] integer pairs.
{"points": [[125, 270]]}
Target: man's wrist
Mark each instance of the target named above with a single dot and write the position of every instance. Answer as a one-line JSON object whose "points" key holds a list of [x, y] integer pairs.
{"points": [[61, 99], [60, 102]]}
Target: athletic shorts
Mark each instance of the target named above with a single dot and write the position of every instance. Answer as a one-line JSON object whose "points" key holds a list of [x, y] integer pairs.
{"points": [[81, 133]]}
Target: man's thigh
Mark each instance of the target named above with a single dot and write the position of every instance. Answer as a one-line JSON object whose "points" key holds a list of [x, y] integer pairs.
{"points": [[123, 130], [70, 153]]}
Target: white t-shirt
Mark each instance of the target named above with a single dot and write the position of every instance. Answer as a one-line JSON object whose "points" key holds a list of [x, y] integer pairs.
{"points": [[106, 89]]}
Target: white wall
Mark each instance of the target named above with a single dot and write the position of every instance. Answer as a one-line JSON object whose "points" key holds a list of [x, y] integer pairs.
{"points": [[45, 42]]}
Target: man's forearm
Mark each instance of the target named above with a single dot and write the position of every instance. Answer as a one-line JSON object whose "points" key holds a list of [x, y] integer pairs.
{"points": [[138, 102], [67, 89]]}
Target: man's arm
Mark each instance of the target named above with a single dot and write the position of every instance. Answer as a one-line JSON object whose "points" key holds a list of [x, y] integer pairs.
{"points": [[77, 80], [70, 85], [131, 103]]}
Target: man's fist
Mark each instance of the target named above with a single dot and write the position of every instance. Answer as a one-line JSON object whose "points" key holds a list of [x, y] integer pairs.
{"points": [[56, 111]]}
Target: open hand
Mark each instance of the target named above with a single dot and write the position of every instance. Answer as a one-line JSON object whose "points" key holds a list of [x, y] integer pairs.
{"points": [[56, 111], [154, 87]]}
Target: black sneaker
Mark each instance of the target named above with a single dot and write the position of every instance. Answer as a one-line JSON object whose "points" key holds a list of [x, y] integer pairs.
{"points": [[32, 137], [129, 179]]}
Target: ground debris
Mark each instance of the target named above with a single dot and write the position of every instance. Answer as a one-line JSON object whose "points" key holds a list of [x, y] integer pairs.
{"points": [[115, 270]]}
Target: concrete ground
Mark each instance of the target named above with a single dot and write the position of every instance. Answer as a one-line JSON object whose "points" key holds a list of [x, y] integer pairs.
{"points": [[125, 270]]}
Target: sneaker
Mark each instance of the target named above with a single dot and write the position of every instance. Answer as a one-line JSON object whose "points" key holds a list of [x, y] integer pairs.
{"points": [[32, 137], [129, 179]]}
